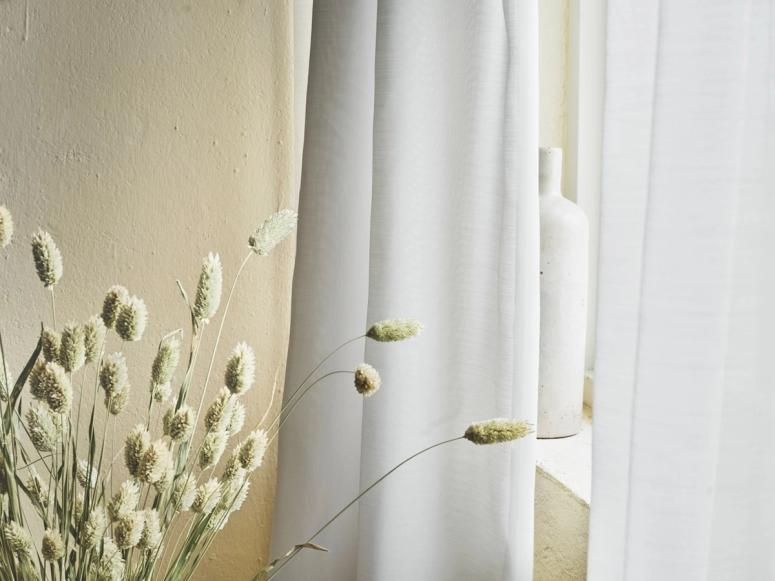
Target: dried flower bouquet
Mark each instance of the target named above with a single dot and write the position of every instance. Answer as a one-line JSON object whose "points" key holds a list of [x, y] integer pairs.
{"points": [[62, 515]]}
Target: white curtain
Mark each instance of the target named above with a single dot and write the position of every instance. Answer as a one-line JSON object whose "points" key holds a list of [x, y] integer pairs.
{"points": [[418, 199], [684, 428]]}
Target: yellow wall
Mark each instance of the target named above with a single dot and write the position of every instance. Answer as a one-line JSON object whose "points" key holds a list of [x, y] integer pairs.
{"points": [[143, 134]]}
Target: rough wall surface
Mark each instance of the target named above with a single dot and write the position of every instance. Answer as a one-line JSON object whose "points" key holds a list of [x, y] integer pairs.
{"points": [[142, 135]]}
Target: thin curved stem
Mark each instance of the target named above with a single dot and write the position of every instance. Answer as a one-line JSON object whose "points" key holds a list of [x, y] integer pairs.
{"points": [[295, 551], [311, 373], [291, 407]]}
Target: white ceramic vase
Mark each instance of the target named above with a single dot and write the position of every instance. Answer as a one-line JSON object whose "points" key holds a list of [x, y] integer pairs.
{"points": [[564, 257]]}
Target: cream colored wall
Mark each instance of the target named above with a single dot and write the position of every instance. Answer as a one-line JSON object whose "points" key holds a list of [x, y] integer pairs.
{"points": [[553, 73], [143, 134]]}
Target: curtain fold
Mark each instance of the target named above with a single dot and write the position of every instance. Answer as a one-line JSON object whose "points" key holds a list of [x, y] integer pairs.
{"points": [[418, 198], [683, 483]]}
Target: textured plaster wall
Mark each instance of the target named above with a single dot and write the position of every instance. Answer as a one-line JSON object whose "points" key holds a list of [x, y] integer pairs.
{"points": [[143, 134], [561, 531]]}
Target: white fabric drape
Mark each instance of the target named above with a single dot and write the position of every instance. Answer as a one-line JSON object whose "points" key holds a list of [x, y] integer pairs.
{"points": [[684, 429], [418, 198]]}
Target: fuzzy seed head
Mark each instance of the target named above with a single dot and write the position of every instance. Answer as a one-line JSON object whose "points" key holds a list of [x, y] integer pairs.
{"points": [[161, 392], [116, 402], [497, 431], [37, 488], [219, 412], [155, 463], [233, 469], [128, 529], [44, 428], [237, 418], [87, 478], [93, 337], [50, 383], [212, 449], [80, 498], [51, 342], [240, 369], [163, 483], [116, 296], [114, 376], [207, 497], [110, 566], [208, 291], [273, 231], [124, 501], [394, 330], [137, 443], [131, 319], [367, 380], [166, 360], [151, 537], [48, 259], [72, 350], [183, 494], [252, 450], [94, 527], [18, 539], [179, 425], [52, 547], [6, 227]]}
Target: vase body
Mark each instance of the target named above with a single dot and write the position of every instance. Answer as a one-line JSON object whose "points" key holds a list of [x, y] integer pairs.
{"points": [[564, 263]]}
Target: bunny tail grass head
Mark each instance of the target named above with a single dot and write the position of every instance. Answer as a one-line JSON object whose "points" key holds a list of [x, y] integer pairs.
{"points": [[93, 337], [367, 380], [51, 343], [124, 501], [94, 527], [18, 539], [273, 231], [131, 319], [44, 427], [114, 376], [183, 493], [155, 463], [151, 536], [212, 449], [49, 382], [179, 424], [390, 330], [72, 350], [48, 259], [52, 547], [252, 450], [136, 445], [497, 431], [116, 296], [207, 496], [240, 369], [208, 290], [6, 227], [166, 361], [128, 529]]}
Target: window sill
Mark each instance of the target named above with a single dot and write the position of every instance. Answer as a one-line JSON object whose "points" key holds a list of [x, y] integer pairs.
{"points": [[563, 491]]}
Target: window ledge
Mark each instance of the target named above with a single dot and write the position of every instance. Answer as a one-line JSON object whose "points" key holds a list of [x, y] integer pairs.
{"points": [[569, 460], [563, 491]]}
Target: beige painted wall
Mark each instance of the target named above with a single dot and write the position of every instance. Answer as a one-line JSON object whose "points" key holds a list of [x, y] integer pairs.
{"points": [[143, 134]]}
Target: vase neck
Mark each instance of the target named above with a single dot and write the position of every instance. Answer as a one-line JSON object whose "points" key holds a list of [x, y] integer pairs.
{"points": [[550, 171]]}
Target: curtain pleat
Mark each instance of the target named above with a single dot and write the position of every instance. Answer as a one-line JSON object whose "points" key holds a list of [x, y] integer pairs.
{"points": [[684, 404], [418, 199]]}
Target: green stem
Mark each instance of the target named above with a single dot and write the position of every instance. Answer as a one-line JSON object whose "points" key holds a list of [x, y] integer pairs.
{"points": [[53, 308]]}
